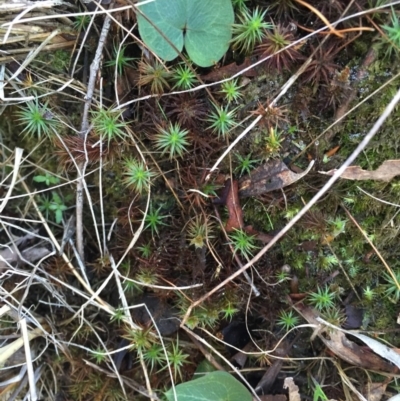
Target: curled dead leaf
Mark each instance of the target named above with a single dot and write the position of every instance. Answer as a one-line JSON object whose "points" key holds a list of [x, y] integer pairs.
{"points": [[385, 172], [269, 177], [347, 350]]}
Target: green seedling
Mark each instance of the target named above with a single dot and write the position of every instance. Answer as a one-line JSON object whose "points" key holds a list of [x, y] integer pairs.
{"points": [[199, 232], [154, 356], [203, 27], [228, 311], [138, 176], [37, 120], [118, 316], [245, 164], [155, 75], [392, 290], [273, 142], [393, 35], [222, 120], [154, 220], [243, 243], [81, 22], [176, 359], [287, 320], [172, 140], [322, 299], [334, 316], [147, 276], [99, 356], [109, 125], [184, 77], [369, 294], [47, 179], [145, 250], [250, 30], [141, 340], [240, 5], [231, 90], [55, 205], [119, 61]]}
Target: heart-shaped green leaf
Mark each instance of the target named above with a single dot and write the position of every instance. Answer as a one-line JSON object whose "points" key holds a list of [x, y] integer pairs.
{"points": [[203, 27], [214, 386]]}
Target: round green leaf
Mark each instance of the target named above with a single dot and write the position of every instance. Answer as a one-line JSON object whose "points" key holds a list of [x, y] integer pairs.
{"points": [[214, 386], [203, 27]]}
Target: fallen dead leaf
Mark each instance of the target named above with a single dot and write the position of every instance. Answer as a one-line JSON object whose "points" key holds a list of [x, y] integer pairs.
{"points": [[349, 351], [376, 390], [385, 172], [293, 389], [269, 177], [235, 220]]}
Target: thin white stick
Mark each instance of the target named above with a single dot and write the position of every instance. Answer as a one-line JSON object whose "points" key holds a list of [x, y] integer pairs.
{"points": [[28, 357], [17, 163]]}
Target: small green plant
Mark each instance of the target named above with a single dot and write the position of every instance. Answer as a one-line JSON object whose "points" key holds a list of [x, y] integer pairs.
{"points": [[250, 30], [184, 77], [145, 250], [55, 205], [287, 320], [369, 294], [228, 310], [326, 262], [199, 231], [81, 22], [155, 75], [334, 316], [99, 355], [203, 27], [273, 142], [231, 90], [138, 176], [147, 276], [222, 120], [58, 207], [282, 276], [392, 290], [140, 339], [109, 125], [172, 140], [337, 226], [154, 356], [119, 61], [322, 299], [176, 359], [47, 179], [393, 35], [240, 5], [243, 243], [154, 220], [38, 120], [131, 288], [44, 205], [245, 164], [118, 316], [207, 315]]}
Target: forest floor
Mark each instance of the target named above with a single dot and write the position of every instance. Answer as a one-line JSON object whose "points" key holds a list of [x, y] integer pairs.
{"points": [[160, 220]]}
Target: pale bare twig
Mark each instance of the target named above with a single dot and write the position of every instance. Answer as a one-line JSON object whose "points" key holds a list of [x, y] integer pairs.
{"points": [[94, 68]]}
